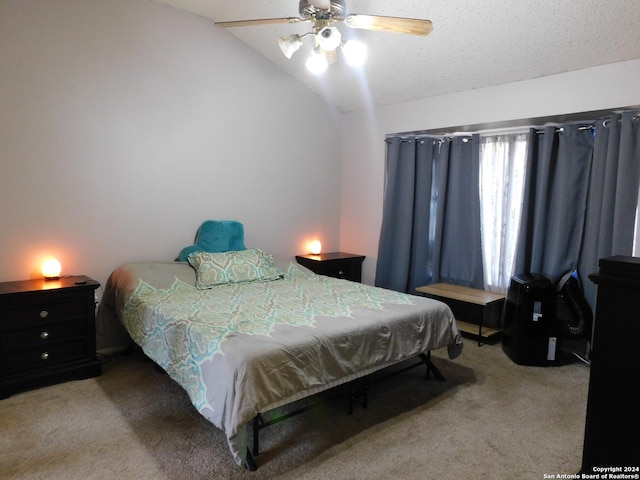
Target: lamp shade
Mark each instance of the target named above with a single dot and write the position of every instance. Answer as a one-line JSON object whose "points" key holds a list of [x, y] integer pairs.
{"points": [[329, 38], [315, 247], [290, 44], [51, 269], [317, 62]]}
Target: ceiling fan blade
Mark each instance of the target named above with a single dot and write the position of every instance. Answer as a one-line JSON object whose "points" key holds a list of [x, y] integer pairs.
{"points": [[412, 26], [261, 21]]}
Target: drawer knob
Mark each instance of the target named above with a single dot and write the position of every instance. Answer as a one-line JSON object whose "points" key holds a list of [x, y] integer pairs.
{"points": [[44, 356], [44, 314], [44, 335]]}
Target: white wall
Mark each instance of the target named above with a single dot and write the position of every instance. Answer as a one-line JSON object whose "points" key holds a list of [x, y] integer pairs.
{"points": [[363, 152], [124, 124]]}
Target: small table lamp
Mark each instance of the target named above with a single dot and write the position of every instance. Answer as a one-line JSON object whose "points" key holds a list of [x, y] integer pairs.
{"points": [[51, 269], [315, 247]]}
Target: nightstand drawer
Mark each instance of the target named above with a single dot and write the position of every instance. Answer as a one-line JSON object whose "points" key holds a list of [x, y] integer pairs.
{"points": [[74, 308], [38, 358], [344, 271], [41, 336]]}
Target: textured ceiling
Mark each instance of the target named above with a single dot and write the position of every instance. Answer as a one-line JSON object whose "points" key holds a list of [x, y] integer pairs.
{"points": [[474, 44]]}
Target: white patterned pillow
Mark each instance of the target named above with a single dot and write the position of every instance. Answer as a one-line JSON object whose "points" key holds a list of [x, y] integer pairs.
{"points": [[233, 267]]}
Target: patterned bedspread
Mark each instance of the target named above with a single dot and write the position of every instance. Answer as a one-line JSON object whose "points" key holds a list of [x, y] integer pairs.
{"points": [[241, 349]]}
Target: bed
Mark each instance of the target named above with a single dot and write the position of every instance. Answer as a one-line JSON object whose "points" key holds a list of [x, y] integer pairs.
{"points": [[267, 332]]}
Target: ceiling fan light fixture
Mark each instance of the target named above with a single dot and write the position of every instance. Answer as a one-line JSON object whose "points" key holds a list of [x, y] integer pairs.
{"points": [[329, 38], [317, 62], [355, 53], [290, 44]]}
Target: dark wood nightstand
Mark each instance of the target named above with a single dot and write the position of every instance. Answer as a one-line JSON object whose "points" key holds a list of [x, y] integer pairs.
{"points": [[334, 264], [47, 333]]}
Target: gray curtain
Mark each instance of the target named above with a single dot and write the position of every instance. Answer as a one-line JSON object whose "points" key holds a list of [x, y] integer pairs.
{"points": [[613, 194], [580, 198], [554, 201], [431, 214], [460, 255]]}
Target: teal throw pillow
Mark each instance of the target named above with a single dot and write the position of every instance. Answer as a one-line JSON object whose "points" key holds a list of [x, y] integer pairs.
{"points": [[216, 236]]}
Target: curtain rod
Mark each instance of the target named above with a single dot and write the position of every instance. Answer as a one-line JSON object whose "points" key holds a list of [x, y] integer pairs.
{"points": [[587, 125], [591, 124], [513, 129], [561, 129]]}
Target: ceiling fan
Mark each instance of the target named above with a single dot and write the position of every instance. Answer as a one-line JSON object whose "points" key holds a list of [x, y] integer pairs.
{"points": [[327, 38]]}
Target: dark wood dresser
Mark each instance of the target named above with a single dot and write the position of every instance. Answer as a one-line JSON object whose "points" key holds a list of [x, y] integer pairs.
{"points": [[334, 264], [611, 437], [47, 332]]}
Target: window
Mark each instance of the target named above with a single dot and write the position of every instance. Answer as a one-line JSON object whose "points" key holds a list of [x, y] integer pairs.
{"points": [[570, 168], [502, 173]]}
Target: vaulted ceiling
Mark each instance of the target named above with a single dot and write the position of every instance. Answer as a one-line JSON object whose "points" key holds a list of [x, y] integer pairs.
{"points": [[473, 44]]}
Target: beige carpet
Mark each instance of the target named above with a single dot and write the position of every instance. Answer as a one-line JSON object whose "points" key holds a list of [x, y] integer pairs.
{"points": [[490, 419]]}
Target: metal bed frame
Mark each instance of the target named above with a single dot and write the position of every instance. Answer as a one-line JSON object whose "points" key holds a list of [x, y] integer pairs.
{"points": [[355, 389]]}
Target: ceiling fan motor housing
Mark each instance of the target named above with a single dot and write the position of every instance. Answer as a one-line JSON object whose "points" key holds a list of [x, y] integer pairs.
{"points": [[308, 10]]}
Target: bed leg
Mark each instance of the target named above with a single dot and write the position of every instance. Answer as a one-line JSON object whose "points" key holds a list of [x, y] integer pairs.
{"points": [[426, 358], [249, 462], [353, 392], [256, 423], [365, 395]]}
